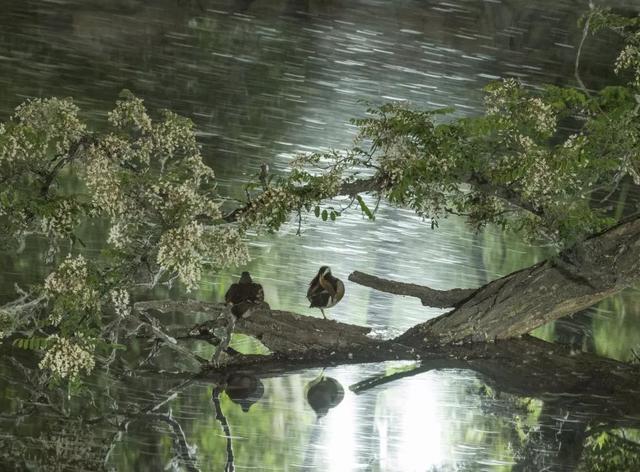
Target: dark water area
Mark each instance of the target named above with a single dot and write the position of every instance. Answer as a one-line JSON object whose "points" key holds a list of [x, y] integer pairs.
{"points": [[263, 81]]}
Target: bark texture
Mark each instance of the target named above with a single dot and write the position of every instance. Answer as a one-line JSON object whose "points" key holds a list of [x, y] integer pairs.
{"points": [[524, 300]]}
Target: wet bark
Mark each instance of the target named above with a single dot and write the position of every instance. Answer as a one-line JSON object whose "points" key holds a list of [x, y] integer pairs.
{"points": [[524, 300]]}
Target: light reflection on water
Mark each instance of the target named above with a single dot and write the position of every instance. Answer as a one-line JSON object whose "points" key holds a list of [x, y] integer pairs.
{"points": [[262, 84]]}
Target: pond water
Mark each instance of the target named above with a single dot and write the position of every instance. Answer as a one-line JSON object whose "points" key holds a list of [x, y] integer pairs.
{"points": [[265, 80]]}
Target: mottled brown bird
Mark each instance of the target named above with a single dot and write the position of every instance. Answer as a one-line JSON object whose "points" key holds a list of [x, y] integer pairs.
{"points": [[325, 290], [244, 295]]}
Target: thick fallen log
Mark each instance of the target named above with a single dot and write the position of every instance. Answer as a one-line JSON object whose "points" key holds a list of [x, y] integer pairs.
{"points": [[503, 309], [526, 365], [280, 331], [516, 304]]}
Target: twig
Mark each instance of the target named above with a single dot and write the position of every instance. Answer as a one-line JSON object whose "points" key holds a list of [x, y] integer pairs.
{"points": [[576, 72], [179, 441], [169, 341]]}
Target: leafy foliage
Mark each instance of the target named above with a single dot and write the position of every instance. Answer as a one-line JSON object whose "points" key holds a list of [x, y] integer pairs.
{"points": [[514, 166], [611, 451], [144, 179]]}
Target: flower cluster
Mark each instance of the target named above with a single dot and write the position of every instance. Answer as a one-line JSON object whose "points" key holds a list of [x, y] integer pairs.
{"points": [[538, 184], [119, 235], [67, 359], [181, 250], [42, 127], [62, 219], [498, 95], [271, 208], [104, 184], [173, 135], [6, 324], [542, 115], [226, 247], [574, 142], [70, 277], [70, 282], [508, 102], [181, 201], [120, 301], [629, 59], [130, 112]]}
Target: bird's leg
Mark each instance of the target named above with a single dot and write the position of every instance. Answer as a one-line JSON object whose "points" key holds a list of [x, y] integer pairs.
{"points": [[323, 315]]}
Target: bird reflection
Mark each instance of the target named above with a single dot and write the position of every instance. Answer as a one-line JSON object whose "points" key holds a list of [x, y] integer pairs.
{"points": [[325, 290], [324, 393], [244, 390]]}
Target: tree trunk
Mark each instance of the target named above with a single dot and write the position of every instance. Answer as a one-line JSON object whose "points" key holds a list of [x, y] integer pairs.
{"points": [[505, 308], [524, 300]]}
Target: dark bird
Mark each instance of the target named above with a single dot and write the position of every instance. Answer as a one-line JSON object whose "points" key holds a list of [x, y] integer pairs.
{"points": [[325, 290], [244, 295], [324, 393]]}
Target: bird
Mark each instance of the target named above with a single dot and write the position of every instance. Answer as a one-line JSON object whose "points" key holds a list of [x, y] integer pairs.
{"points": [[243, 295], [325, 290]]}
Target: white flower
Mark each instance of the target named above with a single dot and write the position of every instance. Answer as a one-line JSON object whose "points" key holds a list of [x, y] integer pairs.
{"points": [[68, 359], [120, 300], [6, 324], [181, 250], [70, 281], [130, 112]]}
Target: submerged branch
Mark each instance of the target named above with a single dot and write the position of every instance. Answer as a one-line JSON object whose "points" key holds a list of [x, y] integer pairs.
{"points": [[183, 451]]}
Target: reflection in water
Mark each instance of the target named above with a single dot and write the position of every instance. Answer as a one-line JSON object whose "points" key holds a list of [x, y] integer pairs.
{"points": [[264, 80], [215, 397], [244, 389], [323, 394]]}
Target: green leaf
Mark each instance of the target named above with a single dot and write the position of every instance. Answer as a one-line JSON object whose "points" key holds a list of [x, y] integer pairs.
{"points": [[332, 215], [33, 343], [317, 211], [365, 208], [325, 215]]}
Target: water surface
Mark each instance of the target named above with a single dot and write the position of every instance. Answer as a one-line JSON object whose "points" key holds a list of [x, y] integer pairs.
{"points": [[265, 80]]}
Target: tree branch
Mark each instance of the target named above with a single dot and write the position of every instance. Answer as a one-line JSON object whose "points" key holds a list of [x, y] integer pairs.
{"points": [[427, 296], [350, 188]]}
